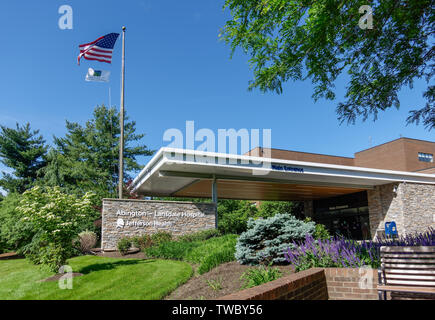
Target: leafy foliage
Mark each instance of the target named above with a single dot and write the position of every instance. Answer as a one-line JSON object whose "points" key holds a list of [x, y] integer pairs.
{"points": [[160, 237], [22, 150], [215, 284], [218, 257], [266, 240], [320, 232], [268, 209], [319, 40], [233, 215], [15, 233], [199, 236], [256, 276], [58, 217], [124, 244], [208, 253]]}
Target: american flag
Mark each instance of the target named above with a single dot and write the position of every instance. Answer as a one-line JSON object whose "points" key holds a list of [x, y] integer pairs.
{"points": [[100, 49]]}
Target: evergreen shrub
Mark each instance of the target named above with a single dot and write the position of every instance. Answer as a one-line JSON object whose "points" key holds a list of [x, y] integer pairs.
{"points": [[267, 240]]}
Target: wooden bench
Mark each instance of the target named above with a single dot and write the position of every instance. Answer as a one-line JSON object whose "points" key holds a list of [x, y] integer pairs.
{"points": [[407, 271]]}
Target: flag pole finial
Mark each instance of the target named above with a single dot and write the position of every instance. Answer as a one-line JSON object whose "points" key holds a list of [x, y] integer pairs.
{"points": [[123, 28]]}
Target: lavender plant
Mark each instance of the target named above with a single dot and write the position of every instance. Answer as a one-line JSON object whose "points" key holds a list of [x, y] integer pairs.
{"points": [[340, 252]]}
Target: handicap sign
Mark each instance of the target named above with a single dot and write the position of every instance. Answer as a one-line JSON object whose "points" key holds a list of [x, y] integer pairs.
{"points": [[390, 228]]}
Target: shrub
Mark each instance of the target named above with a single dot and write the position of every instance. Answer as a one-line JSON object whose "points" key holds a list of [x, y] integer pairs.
{"points": [[170, 250], [217, 258], [267, 240], [142, 242], [160, 237], [233, 215], [216, 285], [57, 216], [124, 244], [320, 232], [256, 276], [87, 241], [199, 236], [208, 253]]}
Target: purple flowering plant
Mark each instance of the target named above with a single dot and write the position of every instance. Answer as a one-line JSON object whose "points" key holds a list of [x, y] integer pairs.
{"points": [[343, 253]]}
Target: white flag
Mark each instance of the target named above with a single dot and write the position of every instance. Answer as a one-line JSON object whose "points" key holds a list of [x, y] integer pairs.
{"points": [[97, 75]]}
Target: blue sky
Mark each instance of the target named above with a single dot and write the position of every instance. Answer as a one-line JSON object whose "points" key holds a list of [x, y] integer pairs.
{"points": [[176, 70]]}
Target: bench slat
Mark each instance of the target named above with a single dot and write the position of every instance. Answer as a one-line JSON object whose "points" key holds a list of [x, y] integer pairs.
{"points": [[410, 271], [408, 255], [409, 276], [406, 260], [411, 282], [407, 266], [405, 289], [408, 249]]}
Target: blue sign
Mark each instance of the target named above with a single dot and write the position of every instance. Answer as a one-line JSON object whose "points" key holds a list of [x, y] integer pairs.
{"points": [[287, 168], [391, 229]]}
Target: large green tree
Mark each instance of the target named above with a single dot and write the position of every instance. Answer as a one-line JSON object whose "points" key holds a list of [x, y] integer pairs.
{"points": [[86, 159], [22, 150], [321, 39]]}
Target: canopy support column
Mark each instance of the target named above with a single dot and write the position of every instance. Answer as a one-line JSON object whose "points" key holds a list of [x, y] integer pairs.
{"points": [[214, 198]]}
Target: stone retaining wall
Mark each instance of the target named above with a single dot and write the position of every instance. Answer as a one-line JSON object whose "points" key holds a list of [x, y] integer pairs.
{"points": [[128, 218], [411, 206]]}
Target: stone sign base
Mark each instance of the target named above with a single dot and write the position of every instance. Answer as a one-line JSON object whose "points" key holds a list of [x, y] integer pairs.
{"points": [[130, 218]]}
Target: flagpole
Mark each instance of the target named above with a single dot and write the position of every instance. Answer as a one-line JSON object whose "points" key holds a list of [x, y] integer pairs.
{"points": [[121, 142]]}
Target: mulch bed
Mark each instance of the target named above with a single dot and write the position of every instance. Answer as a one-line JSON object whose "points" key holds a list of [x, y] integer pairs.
{"points": [[132, 254], [228, 275], [9, 255]]}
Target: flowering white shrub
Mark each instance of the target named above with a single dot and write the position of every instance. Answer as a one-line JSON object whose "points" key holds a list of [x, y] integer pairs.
{"points": [[58, 217]]}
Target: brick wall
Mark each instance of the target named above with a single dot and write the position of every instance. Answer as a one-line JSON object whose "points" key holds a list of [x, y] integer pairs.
{"points": [[305, 285], [349, 284], [316, 284]]}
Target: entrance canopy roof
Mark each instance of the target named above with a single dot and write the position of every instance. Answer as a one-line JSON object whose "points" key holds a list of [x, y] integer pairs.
{"points": [[189, 173]]}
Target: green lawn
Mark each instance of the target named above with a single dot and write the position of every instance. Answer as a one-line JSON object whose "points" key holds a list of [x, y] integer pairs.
{"points": [[104, 278]]}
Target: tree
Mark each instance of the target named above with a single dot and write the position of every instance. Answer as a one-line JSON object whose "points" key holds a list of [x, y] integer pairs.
{"points": [[15, 233], [233, 215], [321, 39], [22, 150], [270, 208], [87, 158]]}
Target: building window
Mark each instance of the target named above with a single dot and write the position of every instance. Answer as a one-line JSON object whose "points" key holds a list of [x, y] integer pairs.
{"points": [[425, 157]]}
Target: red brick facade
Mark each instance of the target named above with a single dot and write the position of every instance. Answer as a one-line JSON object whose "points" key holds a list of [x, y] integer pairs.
{"points": [[351, 284], [305, 285], [316, 284]]}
